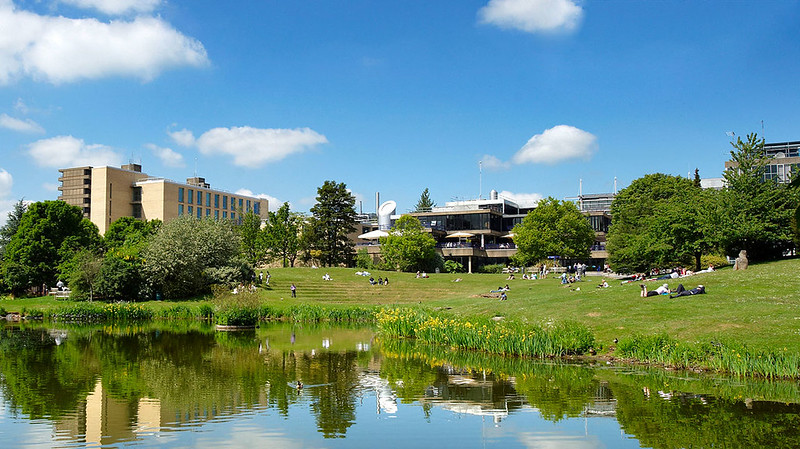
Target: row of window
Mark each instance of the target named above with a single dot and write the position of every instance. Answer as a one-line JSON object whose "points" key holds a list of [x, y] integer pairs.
{"points": [[198, 211], [192, 198]]}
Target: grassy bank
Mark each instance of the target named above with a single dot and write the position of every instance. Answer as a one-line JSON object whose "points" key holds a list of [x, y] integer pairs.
{"points": [[755, 312]]}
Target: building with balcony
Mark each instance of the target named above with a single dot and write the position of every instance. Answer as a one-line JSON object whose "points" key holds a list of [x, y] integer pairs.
{"points": [[106, 194]]}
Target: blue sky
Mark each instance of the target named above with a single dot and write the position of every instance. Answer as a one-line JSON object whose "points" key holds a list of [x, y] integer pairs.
{"points": [[278, 96]]}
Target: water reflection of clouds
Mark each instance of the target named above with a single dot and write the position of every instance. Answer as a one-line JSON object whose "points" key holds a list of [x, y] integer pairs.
{"points": [[558, 440]]}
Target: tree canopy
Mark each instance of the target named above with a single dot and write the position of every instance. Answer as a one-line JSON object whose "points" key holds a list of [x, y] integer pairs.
{"points": [[49, 234], [757, 212], [333, 218], [553, 228], [282, 235], [657, 222], [408, 247]]}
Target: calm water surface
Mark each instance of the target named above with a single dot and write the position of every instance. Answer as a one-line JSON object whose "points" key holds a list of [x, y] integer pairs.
{"points": [[187, 386]]}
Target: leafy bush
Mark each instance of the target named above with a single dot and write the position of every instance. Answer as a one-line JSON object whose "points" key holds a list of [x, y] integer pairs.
{"points": [[237, 317], [206, 311], [120, 277], [364, 260], [237, 272], [493, 268], [451, 266], [713, 259]]}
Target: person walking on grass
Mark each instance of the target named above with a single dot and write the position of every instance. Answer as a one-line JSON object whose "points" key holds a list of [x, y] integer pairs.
{"points": [[294, 291]]}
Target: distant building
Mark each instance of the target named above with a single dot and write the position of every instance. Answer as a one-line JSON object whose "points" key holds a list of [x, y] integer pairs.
{"points": [[784, 160], [106, 194]]}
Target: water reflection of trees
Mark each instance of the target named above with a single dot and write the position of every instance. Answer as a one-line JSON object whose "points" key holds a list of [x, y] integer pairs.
{"points": [[198, 375]]}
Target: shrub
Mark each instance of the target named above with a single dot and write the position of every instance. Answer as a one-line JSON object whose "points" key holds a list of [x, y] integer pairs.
{"points": [[493, 268], [713, 259], [237, 317], [206, 311], [364, 260], [451, 266]]}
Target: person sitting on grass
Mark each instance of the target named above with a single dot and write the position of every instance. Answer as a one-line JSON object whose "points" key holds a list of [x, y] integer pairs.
{"points": [[372, 281], [503, 296], [603, 284], [663, 290], [680, 291]]}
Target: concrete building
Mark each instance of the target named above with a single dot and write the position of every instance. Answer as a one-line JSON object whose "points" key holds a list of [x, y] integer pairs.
{"points": [[106, 194], [784, 160]]}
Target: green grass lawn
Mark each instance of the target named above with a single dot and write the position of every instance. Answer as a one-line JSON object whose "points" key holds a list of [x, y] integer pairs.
{"points": [[759, 307]]}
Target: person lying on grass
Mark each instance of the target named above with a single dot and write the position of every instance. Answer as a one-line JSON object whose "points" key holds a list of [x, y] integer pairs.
{"points": [[680, 291], [663, 290]]}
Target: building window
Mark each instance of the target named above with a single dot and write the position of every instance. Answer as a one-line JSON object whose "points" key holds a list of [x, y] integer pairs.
{"points": [[224, 215], [189, 210], [248, 205], [216, 215], [191, 196], [216, 201], [257, 208], [241, 204], [111, 190], [199, 198], [233, 216], [208, 200], [199, 212], [180, 194], [233, 203], [208, 212], [224, 202], [137, 211], [180, 210]]}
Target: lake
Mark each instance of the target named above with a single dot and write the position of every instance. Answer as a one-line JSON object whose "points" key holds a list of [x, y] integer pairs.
{"points": [[185, 385]]}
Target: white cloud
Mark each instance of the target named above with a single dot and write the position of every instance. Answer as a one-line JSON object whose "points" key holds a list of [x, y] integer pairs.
{"points": [[20, 125], [61, 49], [533, 16], [21, 107], [68, 151], [523, 199], [6, 182], [557, 144], [493, 163], [116, 7], [252, 147], [184, 137], [274, 203], [168, 156]]}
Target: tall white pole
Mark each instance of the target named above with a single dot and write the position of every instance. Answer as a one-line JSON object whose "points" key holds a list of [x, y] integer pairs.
{"points": [[480, 179]]}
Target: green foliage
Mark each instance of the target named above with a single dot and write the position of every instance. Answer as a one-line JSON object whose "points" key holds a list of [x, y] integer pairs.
{"points": [[13, 220], [48, 235], [237, 317], [496, 268], [553, 228], [178, 257], [451, 266], [757, 214], [130, 232], [281, 235], [82, 273], [121, 275], [333, 218], [364, 260], [425, 203], [408, 247], [713, 259], [486, 335], [253, 247], [102, 312], [660, 221]]}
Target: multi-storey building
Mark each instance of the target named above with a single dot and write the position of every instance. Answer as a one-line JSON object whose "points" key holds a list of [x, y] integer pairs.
{"points": [[784, 160], [108, 193]]}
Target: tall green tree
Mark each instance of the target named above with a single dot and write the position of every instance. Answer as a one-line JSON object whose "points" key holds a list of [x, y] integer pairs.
{"points": [[129, 231], [12, 223], [758, 212], [408, 247], [282, 235], [333, 218], [662, 221], [425, 202], [49, 234], [553, 228], [253, 247]]}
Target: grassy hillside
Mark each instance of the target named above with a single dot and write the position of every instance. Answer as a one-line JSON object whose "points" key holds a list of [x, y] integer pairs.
{"points": [[759, 307]]}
